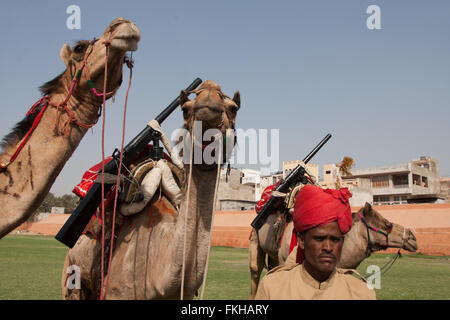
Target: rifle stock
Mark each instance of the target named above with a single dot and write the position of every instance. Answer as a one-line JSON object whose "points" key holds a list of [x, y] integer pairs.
{"points": [[75, 225], [295, 176]]}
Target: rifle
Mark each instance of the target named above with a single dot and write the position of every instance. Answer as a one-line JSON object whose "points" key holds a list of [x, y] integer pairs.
{"points": [[75, 225], [295, 176]]}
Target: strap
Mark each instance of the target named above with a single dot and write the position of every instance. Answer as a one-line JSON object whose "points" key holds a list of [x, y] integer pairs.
{"points": [[176, 160], [42, 105]]}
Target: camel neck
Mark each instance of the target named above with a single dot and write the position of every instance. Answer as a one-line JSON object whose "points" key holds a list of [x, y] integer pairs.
{"points": [[199, 210], [85, 106], [199, 203], [29, 178]]}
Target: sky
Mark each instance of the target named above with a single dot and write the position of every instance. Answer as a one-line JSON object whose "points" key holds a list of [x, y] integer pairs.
{"points": [[303, 69]]}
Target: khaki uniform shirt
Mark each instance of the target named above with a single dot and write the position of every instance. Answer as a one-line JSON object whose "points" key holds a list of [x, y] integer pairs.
{"points": [[293, 282]]}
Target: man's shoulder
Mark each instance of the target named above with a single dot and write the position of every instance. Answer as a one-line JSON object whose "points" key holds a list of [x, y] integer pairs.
{"points": [[351, 275], [357, 283], [282, 268]]}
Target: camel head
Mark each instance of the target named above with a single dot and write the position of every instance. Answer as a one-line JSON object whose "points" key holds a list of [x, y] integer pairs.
{"points": [[211, 109], [121, 35], [397, 235]]}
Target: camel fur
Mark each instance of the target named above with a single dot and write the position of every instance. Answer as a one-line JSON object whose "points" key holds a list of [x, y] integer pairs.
{"points": [[26, 181], [147, 259]]}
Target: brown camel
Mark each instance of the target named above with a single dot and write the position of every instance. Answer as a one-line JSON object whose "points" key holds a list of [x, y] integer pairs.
{"points": [[25, 182], [147, 261], [359, 242]]}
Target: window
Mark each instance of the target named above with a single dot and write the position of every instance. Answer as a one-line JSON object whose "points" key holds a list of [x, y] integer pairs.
{"points": [[328, 172], [381, 200], [380, 182], [425, 182], [416, 179], [400, 179]]}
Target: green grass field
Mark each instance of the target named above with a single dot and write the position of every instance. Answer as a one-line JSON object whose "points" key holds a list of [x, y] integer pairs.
{"points": [[31, 266]]}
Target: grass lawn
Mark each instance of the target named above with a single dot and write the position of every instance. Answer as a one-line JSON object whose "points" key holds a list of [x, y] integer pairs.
{"points": [[31, 266]]}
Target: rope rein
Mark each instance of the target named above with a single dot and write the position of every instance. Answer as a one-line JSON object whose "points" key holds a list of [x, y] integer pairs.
{"points": [[43, 103], [212, 220], [386, 234], [64, 105], [103, 174], [130, 66], [387, 266], [183, 267]]}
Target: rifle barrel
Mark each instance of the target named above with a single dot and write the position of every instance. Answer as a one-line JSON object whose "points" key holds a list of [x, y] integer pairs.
{"points": [[75, 225], [293, 177], [317, 148]]}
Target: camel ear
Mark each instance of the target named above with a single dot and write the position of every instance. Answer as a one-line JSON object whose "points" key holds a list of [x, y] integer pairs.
{"points": [[367, 208], [237, 98], [65, 54], [184, 97]]}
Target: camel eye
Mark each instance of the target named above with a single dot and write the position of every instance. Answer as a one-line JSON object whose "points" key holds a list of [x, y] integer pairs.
{"points": [[233, 108], [79, 48]]}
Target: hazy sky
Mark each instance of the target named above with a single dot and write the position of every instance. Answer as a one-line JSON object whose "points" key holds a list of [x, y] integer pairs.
{"points": [[306, 68]]}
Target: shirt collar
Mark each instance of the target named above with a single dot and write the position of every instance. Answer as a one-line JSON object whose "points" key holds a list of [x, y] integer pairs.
{"points": [[309, 280]]}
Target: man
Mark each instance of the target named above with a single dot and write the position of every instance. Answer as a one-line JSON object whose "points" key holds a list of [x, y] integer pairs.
{"points": [[321, 219]]}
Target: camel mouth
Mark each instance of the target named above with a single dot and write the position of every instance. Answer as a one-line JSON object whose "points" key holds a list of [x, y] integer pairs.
{"points": [[208, 113], [411, 246], [126, 37], [124, 43]]}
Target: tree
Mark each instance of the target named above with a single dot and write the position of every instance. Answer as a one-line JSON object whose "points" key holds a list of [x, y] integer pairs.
{"points": [[68, 201]]}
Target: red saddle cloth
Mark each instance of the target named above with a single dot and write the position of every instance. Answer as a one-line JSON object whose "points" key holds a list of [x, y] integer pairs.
{"points": [[265, 197], [89, 177]]}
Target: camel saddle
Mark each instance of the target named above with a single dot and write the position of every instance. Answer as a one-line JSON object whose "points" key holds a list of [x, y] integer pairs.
{"points": [[130, 189]]}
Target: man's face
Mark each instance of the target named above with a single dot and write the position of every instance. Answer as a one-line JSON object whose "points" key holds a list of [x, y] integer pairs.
{"points": [[322, 246]]}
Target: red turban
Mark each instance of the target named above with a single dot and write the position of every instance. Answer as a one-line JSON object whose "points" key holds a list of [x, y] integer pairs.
{"points": [[315, 206]]}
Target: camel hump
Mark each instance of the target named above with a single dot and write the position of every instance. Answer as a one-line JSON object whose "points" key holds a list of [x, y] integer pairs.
{"points": [[351, 272]]}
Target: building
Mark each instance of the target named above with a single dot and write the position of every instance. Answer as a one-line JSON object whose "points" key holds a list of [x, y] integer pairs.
{"points": [[417, 181], [360, 188], [233, 194], [413, 182], [269, 180], [330, 176], [445, 189], [252, 178], [312, 169]]}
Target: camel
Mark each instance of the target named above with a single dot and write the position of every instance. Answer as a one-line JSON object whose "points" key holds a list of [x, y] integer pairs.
{"points": [[25, 182], [148, 255], [359, 242]]}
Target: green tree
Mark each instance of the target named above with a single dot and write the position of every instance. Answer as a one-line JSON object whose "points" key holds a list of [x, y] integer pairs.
{"points": [[68, 201], [49, 201]]}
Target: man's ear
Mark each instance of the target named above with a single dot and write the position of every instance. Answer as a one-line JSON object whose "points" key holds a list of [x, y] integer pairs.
{"points": [[301, 240], [65, 54]]}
